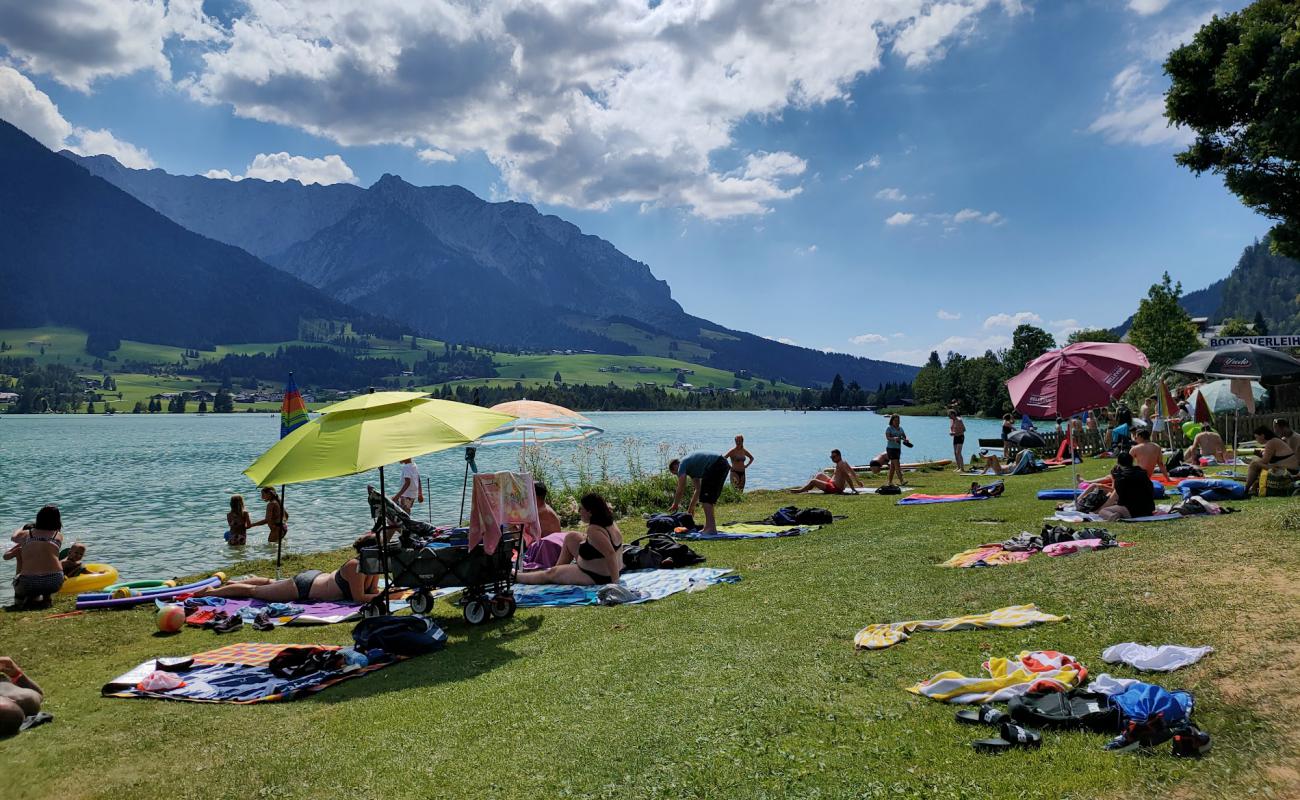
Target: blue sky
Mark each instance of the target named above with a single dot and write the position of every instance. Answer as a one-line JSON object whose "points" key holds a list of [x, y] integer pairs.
{"points": [[875, 178]]}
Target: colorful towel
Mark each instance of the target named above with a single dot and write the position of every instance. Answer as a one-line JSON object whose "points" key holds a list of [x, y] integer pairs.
{"points": [[501, 498], [861, 490], [653, 584], [1078, 546], [315, 613], [237, 673], [987, 555], [744, 530], [1006, 678], [925, 499], [888, 634]]}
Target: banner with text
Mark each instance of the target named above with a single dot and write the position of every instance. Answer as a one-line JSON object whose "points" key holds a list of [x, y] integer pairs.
{"points": [[1274, 342]]}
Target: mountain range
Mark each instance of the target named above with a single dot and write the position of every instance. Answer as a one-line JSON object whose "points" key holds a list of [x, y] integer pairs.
{"points": [[447, 264]]}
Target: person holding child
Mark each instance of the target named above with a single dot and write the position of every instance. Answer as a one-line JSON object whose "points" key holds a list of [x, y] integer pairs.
{"points": [[36, 549]]}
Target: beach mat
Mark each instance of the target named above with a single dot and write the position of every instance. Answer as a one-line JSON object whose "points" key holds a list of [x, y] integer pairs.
{"points": [[862, 491], [313, 613], [747, 530], [655, 584], [927, 499], [237, 673]]}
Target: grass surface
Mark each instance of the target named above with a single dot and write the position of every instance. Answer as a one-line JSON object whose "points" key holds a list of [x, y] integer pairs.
{"points": [[745, 690]]}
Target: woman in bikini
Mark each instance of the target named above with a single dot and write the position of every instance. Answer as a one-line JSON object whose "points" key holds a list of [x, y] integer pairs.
{"points": [[345, 584], [589, 559], [36, 547], [237, 522], [1274, 454], [276, 520]]}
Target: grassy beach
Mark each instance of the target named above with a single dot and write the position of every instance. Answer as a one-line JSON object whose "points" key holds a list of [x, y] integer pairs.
{"points": [[745, 690]]}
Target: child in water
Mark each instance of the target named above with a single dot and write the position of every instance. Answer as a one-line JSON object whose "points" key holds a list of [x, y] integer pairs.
{"points": [[238, 521]]}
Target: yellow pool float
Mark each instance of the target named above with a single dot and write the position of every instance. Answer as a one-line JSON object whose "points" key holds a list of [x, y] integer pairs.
{"points": [[96, 577]]}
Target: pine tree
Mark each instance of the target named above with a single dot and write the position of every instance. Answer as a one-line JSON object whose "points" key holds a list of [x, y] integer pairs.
{"points": [[1261, 327]]}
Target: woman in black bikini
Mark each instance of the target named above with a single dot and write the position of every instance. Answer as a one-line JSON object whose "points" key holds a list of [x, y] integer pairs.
{"points": [[345, 584], [587, 559], [1274, 454]]}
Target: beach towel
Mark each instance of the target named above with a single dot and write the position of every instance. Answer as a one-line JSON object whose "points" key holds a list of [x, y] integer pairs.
{"points": [[1155, 518], [1145, 657], [1005, 678], [237, 673], [502, 498], [926, 499], [1080, 546], [1059, 494], [861, 490], [314, 613], [543, 553], [652, 584], [986, 555], [746, 530], [888, 634]]}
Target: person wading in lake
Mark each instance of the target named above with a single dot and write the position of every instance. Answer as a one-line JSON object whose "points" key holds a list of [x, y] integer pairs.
{"points": [[737, 456], [276, 519]]}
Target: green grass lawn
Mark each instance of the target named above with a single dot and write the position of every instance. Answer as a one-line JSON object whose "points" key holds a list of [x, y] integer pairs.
{"points": [[585, 368], [745, 690]]}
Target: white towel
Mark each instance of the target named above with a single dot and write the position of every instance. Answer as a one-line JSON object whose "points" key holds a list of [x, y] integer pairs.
{"points": [[1165, 658]]}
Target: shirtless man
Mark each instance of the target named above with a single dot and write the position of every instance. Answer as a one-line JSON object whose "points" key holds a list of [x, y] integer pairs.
{"points": [[1282, 428], [842, 478], [1147, 454], [737, 456], [20, 697], [1207, 443], [546, 516]]}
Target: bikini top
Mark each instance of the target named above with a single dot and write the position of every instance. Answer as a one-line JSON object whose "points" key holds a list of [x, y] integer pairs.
{"points": [[588, 551]]}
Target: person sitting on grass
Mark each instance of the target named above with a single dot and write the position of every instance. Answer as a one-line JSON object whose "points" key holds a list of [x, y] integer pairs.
{"points": [[842, 478], [1132, 495], [1275, 454], [20, 698], [550, 521], [1207, 444], [36, 549], [1147, 454], [992, 464], [587, 559], [1282, 427], [345, 584], [708, 471], [878, 463]]}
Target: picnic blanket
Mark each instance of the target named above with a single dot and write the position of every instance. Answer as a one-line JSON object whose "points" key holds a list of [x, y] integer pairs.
{"points": [[987, 555], [1079, 516], [925, 499], [313, 613], [747, 530], [1079, 546], [1005, 678], [888, 634], [648, 584], [237, 673], [861, 490]]}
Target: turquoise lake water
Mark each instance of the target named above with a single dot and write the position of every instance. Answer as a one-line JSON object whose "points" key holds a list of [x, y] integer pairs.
{"points": [[149, 494]]}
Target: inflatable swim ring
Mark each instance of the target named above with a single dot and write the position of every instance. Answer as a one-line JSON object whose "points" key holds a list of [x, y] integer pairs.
{"points": [[103, 600], [156, 583], [96, 576]]}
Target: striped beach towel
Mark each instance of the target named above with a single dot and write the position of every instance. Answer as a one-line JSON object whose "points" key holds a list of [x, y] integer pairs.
{"points": [[1006, 678], [888, 634]]}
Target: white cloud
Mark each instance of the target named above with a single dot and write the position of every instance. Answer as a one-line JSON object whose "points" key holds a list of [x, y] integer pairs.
{"points": [[284, 167], [868, 338], [805, 251], [1012, 320], [892, 194], [899, 218], [32, 111], [583, 103], [431, 155], [77, 42], [1062, 328], [898, 335], [948, 315], [972, 345], [870, 163], [1147, 7], [783, 340], [1136, 113], [971, 215]]}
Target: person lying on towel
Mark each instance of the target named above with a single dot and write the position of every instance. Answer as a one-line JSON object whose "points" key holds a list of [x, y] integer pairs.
{"points": [[20, 697], [842, 478], [345, 584], [588, 559]]}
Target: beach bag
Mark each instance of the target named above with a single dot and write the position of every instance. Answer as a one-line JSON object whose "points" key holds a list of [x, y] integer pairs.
{"points": [[813, 516], [400, 636], [785, 516], [667, 523], [1092, 499], [889, 488], [1077, 710], [656, 550]]}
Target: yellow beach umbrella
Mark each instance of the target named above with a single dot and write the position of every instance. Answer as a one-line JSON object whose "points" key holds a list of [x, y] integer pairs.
{"points": [[369, 431]]}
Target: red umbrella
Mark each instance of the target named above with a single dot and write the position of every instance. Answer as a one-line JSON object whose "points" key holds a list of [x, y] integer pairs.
{"points": [[1060, 383]]}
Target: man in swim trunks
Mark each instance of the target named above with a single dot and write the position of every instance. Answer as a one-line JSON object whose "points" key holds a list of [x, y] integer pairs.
{"points": [[842, 478], [1207, 443], [20, 697], [708, 471], [1147, 454], [957, 430], [737, 456]]}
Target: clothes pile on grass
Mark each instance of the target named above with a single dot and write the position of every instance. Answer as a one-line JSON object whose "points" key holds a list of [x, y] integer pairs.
{"points": [[1053, 540]]}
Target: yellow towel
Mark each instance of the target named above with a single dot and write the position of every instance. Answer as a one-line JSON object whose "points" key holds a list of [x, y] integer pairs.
{"points": [[886, 634]]}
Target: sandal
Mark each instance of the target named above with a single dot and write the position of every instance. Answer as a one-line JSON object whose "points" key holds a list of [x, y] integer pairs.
{"points": [[1012, 735], [984, 715]]}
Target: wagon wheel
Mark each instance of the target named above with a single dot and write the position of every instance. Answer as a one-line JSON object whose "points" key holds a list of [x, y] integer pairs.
{"points": [[503, 606], [421, 603], [476, 612]]}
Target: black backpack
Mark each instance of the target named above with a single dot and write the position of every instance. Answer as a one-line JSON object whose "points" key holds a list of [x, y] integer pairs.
{"points": [[656, 550], [1075, 710], [667, 523], [786, 515], [813, 516], [889, 488]]}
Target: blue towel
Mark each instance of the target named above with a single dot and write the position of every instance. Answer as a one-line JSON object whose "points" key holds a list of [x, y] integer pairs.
{"points": [[653, 583]]}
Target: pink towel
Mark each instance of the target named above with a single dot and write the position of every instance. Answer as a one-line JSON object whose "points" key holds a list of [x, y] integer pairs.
{"points": [[501, 498], [543, 553]]}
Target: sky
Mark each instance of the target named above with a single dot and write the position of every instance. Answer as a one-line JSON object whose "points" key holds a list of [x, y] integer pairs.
{"points": [[876, 177]]}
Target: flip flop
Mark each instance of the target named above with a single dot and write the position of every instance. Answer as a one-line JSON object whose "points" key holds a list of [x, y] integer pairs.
{"points": [[984, 715], [1012, 735]]}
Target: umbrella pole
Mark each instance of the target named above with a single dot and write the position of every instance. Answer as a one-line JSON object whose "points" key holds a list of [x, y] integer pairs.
{"points": [[464, 484], [428, 493], [279, 543], [383, 539]]}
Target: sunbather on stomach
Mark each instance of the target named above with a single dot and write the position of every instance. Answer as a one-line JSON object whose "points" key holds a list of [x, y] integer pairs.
{"points": [[345, 584], [589, 559]]}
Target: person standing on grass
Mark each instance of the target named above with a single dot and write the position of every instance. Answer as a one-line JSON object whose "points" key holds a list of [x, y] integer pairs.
{"points": [[708, 472], [957, 430], [1007, 428], [411, 490], [895, 438], [737, 456]]}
